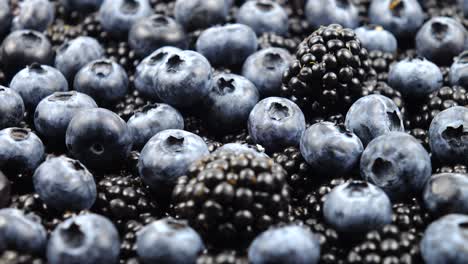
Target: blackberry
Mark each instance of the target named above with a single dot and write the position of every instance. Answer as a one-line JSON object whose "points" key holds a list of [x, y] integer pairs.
{"points": [[131, 104], [124, 198], [410, 216], [422, 135], [381, 62], [14, 257], [267, 40], [452, 169], [128, 239], [299, 175], [230, 198], [120, 52], [60, 32], [420, 116], [387, 245], [223, 257], [328, 73], [92, 28], [242, 137]]}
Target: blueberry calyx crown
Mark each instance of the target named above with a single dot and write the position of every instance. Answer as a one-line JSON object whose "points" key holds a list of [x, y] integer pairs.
{"points": [[225, 86], [271, 60], [278, 111], [148, 107], [31, 39], [396, 7], [176, 224], [356, 185], [36, 68], [62, 96], [129, 6], [343, 4], [159, 21], [454, 135], [102, 68], [344, 130], [72, 235], [394, 119], [374, 27], [174, 63], [19, 134], [76, 165], [439, 30], [97, 148], [264, 5], [174, 143], [383, 170], [3, 88], [157, 58], [463, 58]]}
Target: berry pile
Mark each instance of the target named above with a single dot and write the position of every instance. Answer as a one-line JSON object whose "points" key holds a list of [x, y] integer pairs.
{"points": [[233, 131]]}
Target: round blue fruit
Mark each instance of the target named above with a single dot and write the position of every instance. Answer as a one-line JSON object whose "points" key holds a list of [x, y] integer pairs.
{"points": [[325, 12], [118, 16], [263, 16], [458, 74], [446, 193], [198, 14], [374, 37], [34, 15], [11, 107]]}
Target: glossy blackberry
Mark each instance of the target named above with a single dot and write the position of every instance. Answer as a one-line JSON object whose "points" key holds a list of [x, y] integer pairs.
{"points": [[60, 32], [452, 169], [422, 135], [387, 245], [420, 116], [410, 216], [223, 257], [131, 104], [120, 52], [128, 239], [381, 62], [31, 203], [230, 198], [241, 137], [299, 175], [267, 40], [124, 198], [384, 89], [328, 73], [14, 257]]}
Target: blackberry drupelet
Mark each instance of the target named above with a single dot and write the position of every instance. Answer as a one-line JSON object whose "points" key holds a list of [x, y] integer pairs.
{"points": [[230, 198], [131, 104], [14, 257], [420, 116], [124, 198], [267, 40], [410, 216], [328, 73], [381, 62], [223, 257], [452, 169], [388, 245]]}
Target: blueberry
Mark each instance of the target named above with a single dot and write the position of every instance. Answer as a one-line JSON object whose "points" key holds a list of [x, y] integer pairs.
{"points": [[85, 6], [11, 107], [54, 113], [331, 149], [85, 239], [5, 17], [36, 82], [463, 6], [401, 17], [168, 241], [197, 14], [265, 69], [65, 184], [287, 244], [415, 78], [147, 69], [230, 101], [152, 119], [446, 193], [234, 41], [372, 116], [458, 74], [75, 54], [397, 163], [167, 156], [375, 37], [448, 134], [22, 232], [154, 32], [98, 138], [445, 240], [263, 16], [35, 15], [24, 47], [20, 150], [239, 148], [104, 80], [183, 79], [440, 40], [5, 190], [276, 123], [325, 12], [118, 16], [357, 207]]}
